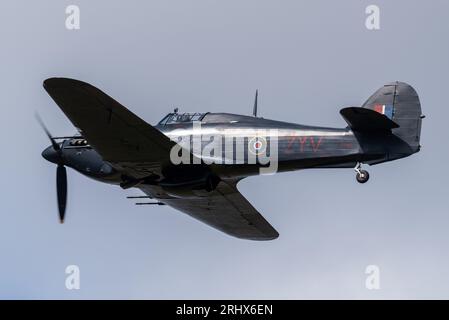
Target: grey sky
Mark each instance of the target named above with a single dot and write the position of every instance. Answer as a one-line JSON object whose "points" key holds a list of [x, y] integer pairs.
{"points": [[308, 59]]}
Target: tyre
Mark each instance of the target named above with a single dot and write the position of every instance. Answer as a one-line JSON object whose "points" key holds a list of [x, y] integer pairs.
{"points": [[362, 176]]}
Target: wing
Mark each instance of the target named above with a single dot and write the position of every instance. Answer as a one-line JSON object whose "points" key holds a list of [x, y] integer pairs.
{"points": [[225, 209], [136, 148], [129, 143]]}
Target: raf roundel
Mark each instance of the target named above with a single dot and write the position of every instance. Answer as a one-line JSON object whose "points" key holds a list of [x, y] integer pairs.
{"points": [[257, 145]]}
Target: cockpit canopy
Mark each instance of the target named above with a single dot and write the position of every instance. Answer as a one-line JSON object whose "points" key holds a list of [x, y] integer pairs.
{"points": [[172, 118]]}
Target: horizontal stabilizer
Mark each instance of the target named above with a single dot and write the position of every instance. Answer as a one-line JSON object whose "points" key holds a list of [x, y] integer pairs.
{"points": [[363, 119]]}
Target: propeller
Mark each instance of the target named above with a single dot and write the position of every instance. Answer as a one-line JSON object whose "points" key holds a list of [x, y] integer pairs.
{"points": [[61, 189], [47, 132], [54, 154]]}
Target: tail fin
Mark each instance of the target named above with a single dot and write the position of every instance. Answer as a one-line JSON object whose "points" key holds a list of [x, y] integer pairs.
{"points": [[399, 102]]}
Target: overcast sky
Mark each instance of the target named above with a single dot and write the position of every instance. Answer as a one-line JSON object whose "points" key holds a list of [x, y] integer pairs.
{"points": [[308, 59]]}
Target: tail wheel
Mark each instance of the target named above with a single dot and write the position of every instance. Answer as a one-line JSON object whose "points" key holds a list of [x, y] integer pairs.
{"points": [[362, 176]]}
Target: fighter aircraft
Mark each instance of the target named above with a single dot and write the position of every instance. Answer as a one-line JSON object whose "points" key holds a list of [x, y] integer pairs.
{"points": [[115, 146]]}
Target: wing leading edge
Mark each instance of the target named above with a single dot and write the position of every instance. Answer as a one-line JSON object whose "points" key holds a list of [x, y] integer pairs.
{"points": [[123, 139]]}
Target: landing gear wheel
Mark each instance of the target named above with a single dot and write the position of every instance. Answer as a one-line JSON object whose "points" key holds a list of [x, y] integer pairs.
{"points": [[362, 176]]}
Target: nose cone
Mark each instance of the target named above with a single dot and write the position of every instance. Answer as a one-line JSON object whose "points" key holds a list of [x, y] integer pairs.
{"points": [[51, 155]]}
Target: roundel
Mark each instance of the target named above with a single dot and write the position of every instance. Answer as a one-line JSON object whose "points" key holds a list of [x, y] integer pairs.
{"points": [[257, 145]]}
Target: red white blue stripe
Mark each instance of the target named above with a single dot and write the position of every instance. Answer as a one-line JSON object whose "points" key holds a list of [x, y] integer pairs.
{"points": [[385, 109]]}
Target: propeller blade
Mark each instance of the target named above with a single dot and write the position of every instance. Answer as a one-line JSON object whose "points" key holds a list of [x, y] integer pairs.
{"points": [[53, 141], [61, 189]]}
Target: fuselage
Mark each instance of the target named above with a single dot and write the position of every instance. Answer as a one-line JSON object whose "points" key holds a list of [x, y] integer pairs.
{"points": [[296, 146], [286, 147]]}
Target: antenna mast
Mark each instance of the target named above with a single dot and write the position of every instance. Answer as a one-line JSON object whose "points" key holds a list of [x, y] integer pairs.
{"points": [[255, 104]]}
